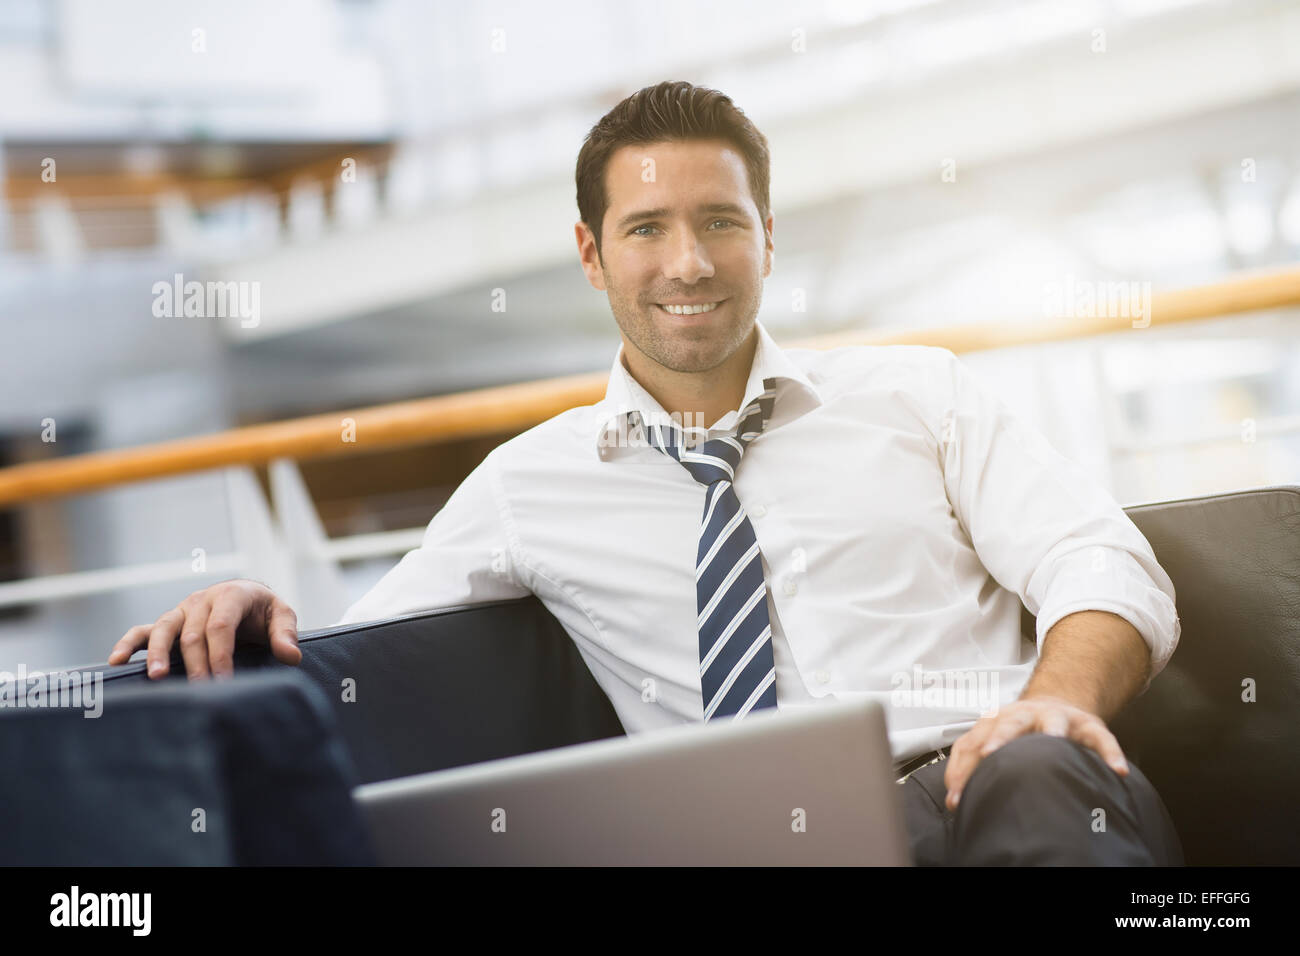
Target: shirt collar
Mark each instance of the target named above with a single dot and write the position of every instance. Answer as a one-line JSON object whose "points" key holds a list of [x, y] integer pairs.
{"points": [[795, 392]]}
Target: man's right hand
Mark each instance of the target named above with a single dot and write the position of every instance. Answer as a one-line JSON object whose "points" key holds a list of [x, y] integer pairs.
{"points": [[207, 622]]}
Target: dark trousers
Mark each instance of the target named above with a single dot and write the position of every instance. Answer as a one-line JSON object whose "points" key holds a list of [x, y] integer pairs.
{"points": [[1040, 800]]}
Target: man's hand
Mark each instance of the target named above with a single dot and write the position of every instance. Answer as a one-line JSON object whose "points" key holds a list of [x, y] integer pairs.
{"points": [[207, 622], [1048, 715]]}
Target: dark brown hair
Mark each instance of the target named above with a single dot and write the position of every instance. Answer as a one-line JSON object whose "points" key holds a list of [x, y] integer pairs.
{"points": [[668, 111]]}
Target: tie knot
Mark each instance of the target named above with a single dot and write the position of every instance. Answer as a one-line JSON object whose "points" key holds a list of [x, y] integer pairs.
{"points": [[717, 458]]}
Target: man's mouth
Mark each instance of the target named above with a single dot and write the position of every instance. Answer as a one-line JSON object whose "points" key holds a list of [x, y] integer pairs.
{"points": [[689, 309]]}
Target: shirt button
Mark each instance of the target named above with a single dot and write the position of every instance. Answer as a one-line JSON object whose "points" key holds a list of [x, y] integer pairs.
{"points": [[758, 511], [791, 586], [823, 677]]}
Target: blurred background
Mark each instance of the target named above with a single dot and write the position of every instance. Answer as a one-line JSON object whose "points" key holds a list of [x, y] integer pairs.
{"points": [[367, 174]]}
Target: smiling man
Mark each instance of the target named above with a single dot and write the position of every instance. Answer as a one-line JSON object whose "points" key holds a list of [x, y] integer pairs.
{"points": [[683, 261], [839, 524]]}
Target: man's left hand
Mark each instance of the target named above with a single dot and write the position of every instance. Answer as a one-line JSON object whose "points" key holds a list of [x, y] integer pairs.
{"points": [[1048, 715]]}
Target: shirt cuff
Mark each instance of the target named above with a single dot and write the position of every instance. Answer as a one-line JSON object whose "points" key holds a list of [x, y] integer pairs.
{"points": [[1110, 579]]}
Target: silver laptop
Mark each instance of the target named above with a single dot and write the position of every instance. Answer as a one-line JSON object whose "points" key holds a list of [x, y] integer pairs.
{"points": [[808, 786]]}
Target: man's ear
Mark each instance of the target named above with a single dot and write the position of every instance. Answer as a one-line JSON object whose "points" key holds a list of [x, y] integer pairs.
{"points": [[588, 256]]}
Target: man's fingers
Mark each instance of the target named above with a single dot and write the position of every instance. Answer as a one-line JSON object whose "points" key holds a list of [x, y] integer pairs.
{"points": [[194, 642], [283, 632], [1094, 734], [1057, 719], [978, 743], [208, 623], [963, 759], [228, 611], [134, 639], [161, 636]]}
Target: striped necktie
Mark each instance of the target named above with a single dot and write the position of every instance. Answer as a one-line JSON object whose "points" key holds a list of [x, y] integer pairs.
{"points": [[737, 673]]}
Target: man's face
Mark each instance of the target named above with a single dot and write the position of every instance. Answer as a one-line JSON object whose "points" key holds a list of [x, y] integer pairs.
{"points": [[681, 226]]}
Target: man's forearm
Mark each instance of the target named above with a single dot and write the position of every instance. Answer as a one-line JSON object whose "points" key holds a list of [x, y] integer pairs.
{"points": [[1095, 660]]}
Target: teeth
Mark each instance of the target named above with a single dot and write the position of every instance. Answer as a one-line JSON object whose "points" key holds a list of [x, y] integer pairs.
{"points": [[689, 309]]}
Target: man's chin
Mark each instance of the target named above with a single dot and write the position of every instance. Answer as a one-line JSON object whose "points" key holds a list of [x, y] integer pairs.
{"points": [[696, 360]]}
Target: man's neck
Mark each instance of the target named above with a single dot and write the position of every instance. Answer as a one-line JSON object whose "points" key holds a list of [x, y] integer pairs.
{"points": [[696, 397]]}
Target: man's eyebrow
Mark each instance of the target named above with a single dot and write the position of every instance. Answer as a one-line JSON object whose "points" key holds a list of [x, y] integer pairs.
{"points": [[714, 207]]}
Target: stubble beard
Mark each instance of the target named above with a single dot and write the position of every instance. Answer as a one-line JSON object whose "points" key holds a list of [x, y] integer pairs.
{"points": [[688, 349]]}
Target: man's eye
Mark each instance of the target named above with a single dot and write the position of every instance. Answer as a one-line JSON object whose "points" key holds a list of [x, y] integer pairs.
{"points": [[637, 231]]}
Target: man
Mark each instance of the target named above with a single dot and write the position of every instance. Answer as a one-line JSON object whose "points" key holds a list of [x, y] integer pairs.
{"points": [[887, 520]]}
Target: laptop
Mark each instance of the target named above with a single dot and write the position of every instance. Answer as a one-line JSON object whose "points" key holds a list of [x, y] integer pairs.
{"points": [[806, 786]]}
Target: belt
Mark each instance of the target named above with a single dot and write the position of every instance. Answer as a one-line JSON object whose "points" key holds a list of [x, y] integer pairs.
{"points": [[923, 760]]}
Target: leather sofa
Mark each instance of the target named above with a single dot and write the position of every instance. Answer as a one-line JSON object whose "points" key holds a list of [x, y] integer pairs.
{"points": [[1217, 732]]}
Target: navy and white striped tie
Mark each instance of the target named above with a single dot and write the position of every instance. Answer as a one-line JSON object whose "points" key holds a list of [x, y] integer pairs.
{"points": [[737, 673]]}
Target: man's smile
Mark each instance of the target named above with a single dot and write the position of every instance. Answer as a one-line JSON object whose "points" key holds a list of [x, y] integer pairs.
{"points": [[686, 309]]}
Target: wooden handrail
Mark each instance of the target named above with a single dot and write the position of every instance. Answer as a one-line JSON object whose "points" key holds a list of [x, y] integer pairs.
{"points": [[495, 410]]}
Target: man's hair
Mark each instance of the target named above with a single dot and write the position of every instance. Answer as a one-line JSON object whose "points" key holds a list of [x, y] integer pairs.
{"points": [[671, 111]]}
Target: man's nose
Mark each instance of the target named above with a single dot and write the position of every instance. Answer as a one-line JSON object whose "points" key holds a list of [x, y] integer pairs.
{"points": [[689, 260]]}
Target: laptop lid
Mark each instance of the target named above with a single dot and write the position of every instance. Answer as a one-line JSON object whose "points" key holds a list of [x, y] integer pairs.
{"points": [[804, 786]]}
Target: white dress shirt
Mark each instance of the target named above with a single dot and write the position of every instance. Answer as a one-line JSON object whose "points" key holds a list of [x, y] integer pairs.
{"points": [[902, 511]]}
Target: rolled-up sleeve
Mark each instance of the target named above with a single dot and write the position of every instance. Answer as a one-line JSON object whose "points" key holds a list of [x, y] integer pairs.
{"points": [[467, 556], [1042, 526]]}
